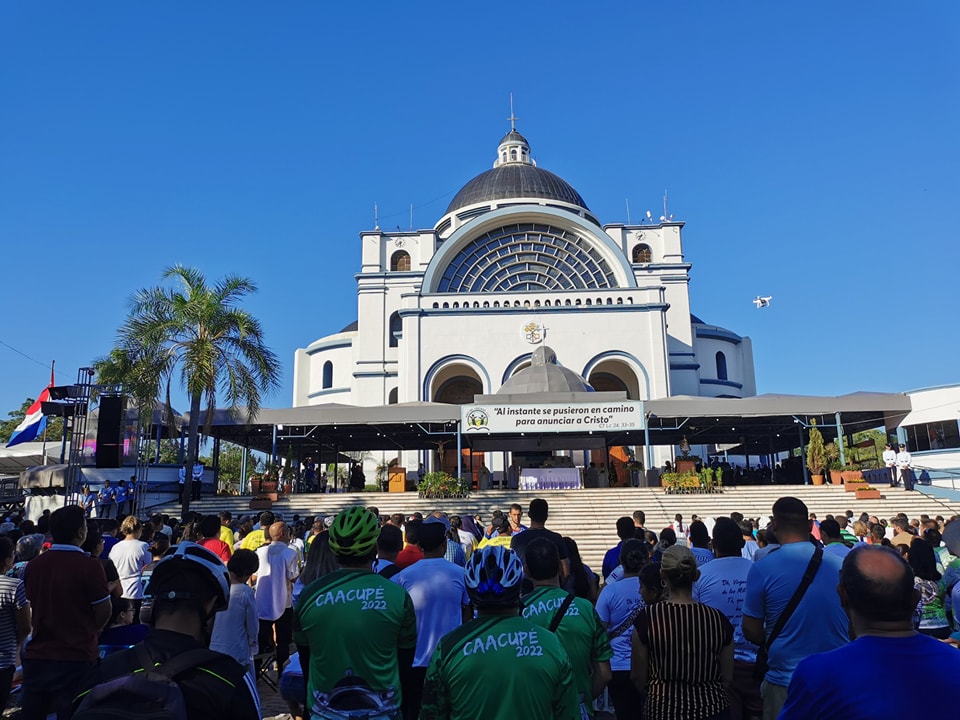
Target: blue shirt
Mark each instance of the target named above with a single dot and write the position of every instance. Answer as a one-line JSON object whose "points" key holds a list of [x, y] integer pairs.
{"points": [[817, 625], [723, 585], [702, 555], [849, 682], [611, 559]]}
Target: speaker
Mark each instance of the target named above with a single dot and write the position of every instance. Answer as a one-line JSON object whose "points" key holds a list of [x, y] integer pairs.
{"points": [[110, 431]]}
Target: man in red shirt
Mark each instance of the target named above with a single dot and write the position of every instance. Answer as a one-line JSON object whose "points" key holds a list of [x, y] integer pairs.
{"points": [[68, 594], [210, 531], [411, 552]]}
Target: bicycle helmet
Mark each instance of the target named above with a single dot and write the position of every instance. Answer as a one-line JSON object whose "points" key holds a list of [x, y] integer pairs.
{"points": [[493, 576], [354, 532], [167, 581]]}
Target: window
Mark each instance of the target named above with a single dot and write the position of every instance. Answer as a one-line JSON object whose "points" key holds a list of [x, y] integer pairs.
{"points": [[396, 329], [721, 366], [392, 398], [400, 262], [944, 435], [642, 254], [327, 375], [526, 257]]}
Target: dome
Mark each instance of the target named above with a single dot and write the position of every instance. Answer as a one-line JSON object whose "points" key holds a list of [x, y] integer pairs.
{"points": [[515, 181], [544, 375], [515, 175], [513, 137]]}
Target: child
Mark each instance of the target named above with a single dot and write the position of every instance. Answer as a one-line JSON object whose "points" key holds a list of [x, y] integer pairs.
{"points": [[235, 629]]}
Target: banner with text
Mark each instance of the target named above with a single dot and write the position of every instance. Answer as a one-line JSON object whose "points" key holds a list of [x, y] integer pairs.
{"points": [[560, 417]]}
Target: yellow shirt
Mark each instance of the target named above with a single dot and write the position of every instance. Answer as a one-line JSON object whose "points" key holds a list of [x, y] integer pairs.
{"points": [[254, 540], [503, 540], [226, 535]]}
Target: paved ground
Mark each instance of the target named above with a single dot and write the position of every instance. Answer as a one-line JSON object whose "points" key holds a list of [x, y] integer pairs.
{"points": [[271, 704]]}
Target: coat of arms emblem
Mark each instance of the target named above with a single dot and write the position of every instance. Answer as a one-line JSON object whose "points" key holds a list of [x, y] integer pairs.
{"points": [[533, 332]]}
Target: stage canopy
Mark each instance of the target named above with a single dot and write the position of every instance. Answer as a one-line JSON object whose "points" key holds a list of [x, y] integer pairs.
{"points": [[755, 425]]}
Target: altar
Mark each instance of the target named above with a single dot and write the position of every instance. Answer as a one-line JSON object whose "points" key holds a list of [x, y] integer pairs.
{"points": [[549, 478]]}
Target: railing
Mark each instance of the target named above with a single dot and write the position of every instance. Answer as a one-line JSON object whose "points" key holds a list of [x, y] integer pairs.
{"points": [[926, 475]]}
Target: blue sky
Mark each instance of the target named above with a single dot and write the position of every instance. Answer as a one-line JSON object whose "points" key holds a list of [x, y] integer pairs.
{"points": [[811, 148]]}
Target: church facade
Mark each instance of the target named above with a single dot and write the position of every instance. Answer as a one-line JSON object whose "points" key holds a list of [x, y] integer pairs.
{"points": [[516, 262]]}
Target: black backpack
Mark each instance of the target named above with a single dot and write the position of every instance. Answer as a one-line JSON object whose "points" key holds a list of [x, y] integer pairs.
{"points": [[151, 694]]}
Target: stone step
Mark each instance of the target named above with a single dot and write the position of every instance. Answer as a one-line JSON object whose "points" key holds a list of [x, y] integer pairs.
{"points": [[589, 516]]}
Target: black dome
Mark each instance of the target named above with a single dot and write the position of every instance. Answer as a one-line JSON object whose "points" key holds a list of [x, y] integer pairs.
{"points": [[515, 180]]}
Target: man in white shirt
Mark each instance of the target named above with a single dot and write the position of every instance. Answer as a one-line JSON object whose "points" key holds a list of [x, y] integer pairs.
{"points": [[279, 567], [439, 594], [903, 468], [197, 476], [890, 462]]}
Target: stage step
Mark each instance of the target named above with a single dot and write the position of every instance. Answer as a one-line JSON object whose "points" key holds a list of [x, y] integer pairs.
{"points": [[589, 516]]}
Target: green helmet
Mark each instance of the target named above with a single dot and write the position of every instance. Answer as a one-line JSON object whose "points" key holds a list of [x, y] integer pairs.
{"points": [[354, 532]]}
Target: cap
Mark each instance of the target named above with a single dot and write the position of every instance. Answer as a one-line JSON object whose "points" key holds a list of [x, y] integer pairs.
{"points": [[902, 445], [434, 520], [500, 522]]}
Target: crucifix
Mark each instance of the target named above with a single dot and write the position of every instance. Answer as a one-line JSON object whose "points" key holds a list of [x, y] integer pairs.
{"points": [[513, 119]]}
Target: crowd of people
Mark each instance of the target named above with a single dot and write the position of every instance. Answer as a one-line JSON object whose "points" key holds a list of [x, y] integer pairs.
{"points": [[453, 616]]}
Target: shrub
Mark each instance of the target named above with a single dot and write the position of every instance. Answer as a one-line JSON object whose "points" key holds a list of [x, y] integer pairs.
{"points": [[441, 485]]}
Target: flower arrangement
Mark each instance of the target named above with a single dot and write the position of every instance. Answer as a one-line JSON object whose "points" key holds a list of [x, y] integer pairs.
{"points": [[441, 485], [706, 481]]}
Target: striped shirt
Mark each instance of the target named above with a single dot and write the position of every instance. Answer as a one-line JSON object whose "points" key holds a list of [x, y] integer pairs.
{"points": [[12, 598], [684, 642]]}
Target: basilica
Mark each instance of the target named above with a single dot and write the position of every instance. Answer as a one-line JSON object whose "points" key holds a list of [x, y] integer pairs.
{"points": [[518, 262]]}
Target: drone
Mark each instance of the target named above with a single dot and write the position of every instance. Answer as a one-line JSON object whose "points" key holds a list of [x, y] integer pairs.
{"points": [[762, 302]]}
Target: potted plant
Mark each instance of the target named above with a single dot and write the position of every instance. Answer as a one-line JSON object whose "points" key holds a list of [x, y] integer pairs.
{"points": [[261, 502], [865, 492], [852, 474], [441, 485], [834, 467], [816, 454]]}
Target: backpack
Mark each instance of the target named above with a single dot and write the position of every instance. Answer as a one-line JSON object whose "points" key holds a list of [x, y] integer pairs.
{"points": [[151, 694]]}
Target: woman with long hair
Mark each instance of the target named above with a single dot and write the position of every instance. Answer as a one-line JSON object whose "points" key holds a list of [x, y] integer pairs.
{"points": [[320, 561], [463, 536], [928, 582], [582, 581], [682, 651]]}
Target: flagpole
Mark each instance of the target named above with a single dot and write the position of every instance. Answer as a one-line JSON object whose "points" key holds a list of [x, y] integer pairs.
{"points": [[43, 451]]}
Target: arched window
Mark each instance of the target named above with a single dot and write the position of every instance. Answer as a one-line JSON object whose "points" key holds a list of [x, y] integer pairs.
{"points": [[400, 262], [642, 253], [396, 329], [327, 375], [721, 366], [392, 398]]}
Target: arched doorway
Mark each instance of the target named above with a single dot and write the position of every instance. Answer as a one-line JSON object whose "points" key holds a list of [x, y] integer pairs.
{"points": [[456, 384], [615, 375]]}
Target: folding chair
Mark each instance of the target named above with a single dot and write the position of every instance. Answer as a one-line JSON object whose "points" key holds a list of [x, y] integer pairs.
{"points": [[262, 663]]}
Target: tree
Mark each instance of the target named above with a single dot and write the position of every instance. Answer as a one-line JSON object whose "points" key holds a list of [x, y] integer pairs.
{"points": [[230, 475], [54, 424], [816, 453], [196, 334]]}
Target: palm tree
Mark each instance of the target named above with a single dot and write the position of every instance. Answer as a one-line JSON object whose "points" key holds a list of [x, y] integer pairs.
{"points": [[196, 334]]}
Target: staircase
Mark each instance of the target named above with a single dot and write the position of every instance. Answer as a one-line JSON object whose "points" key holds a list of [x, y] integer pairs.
{"points": [[589, 516]]}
